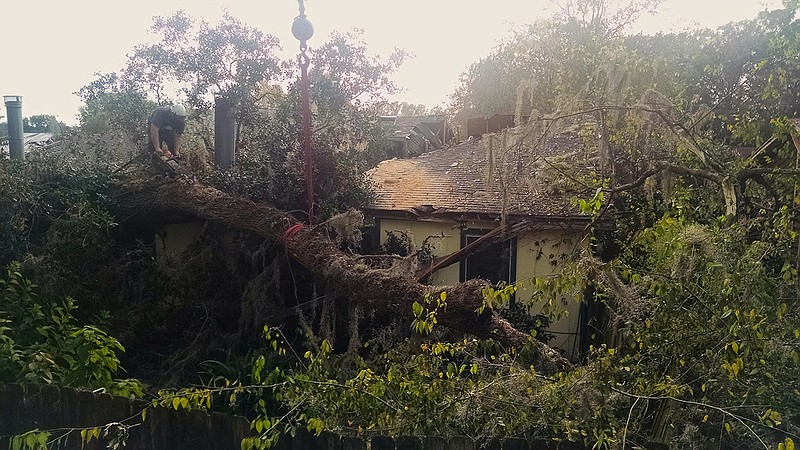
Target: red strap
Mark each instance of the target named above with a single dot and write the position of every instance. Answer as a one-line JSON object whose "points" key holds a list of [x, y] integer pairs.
{"points": [[292, 231]]}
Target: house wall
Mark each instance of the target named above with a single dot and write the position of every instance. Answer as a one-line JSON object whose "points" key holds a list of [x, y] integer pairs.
{"points": [[176, 237], [539, 254], [419, 231], [536, 250]]}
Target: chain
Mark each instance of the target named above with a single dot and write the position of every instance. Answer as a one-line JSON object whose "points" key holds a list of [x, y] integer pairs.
{"points": [[303, 46]]}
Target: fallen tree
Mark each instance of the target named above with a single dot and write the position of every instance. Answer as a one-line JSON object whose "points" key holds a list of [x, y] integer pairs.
{"points": [[365, 286]]}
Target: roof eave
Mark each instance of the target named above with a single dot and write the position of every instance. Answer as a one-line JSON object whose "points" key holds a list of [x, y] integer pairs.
{"points": [[542, 221]]}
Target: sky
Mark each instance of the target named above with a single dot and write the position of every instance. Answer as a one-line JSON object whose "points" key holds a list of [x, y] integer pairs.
{"points": [[52, 48]]}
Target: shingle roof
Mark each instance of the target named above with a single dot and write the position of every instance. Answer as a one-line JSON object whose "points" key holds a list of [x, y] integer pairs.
{"points": [[456, 180]]}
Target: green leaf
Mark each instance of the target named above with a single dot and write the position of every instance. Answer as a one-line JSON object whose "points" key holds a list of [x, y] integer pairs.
{"points": [[325, 346], [30, 440]]}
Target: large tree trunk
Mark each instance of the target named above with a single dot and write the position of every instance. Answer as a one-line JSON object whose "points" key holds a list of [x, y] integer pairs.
{"points": [[367, 287]]}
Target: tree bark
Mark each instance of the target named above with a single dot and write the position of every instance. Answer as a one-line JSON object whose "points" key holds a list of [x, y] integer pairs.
{"points": [[365, 286]]}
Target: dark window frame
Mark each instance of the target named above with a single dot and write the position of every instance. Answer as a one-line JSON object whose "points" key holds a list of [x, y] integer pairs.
{"points": [[511, 244]]}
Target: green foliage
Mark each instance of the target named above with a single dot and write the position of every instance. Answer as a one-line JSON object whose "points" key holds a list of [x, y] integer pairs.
{"points": [[474, 388], [398, 243], [787, 444], [425, 313], [497, 298], [115, 435], [54, 218], [460, 383], [716, 319], [227, 59], [552, 63], [702, 333], [31, 440], [43, 123], [591, 207], [396, 108], [233, 60], [347, 85], [41, 341], [113, 106]]}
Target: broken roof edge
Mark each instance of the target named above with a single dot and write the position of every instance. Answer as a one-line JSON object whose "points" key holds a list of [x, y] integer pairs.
{"points": [[542, 221]]}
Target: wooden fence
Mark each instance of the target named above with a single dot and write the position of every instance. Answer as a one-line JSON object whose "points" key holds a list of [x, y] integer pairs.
{"points": [[64, 411]]}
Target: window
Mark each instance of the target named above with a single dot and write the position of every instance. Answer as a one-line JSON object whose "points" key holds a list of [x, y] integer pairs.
{"points": [[495, 263]]}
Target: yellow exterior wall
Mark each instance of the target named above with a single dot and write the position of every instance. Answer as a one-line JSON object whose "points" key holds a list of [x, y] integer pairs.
{"points": [[534, 250], [419, 231], [533, 260], [176, 239]]}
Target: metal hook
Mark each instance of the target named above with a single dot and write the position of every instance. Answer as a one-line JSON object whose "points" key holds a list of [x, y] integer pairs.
{"points": [[302, 7], [303, 58]]}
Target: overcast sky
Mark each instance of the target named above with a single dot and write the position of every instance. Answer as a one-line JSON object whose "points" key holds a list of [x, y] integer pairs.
{"points": [[53, 47]]}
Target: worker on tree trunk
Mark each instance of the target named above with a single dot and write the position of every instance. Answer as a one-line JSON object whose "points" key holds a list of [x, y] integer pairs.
{"points": [[165, 126]]}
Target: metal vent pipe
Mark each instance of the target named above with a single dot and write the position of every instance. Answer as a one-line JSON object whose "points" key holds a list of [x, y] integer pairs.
{"points": [[224, 133], [16, 144]]}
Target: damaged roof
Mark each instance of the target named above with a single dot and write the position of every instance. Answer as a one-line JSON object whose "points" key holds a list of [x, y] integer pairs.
{"points": [[456, 181]]}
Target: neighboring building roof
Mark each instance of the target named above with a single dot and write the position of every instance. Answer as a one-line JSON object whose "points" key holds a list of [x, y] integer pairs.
{"points": [[478, 126], [29, 140], [39, 139], [454, 181], [415, 135], [405, 124]]}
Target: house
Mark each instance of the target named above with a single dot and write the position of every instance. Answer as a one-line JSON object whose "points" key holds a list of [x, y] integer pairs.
{"points": [[415, 135], [494, 213]]}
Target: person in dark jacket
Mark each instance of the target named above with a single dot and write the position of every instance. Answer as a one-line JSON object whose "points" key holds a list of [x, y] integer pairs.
{"points": [[165, 128]]}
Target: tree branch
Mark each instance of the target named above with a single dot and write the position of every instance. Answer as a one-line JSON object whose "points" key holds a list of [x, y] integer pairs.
{"points": [[501, 234], [662, 166]]}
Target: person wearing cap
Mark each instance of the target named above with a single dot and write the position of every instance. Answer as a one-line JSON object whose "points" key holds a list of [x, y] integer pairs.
{"points": [[165, 126]]}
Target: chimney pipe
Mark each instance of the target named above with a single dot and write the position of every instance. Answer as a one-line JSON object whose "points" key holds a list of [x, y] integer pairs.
{"points": [[16, 144], [224, 133]]}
